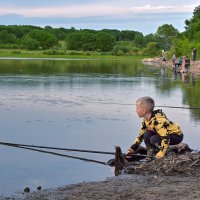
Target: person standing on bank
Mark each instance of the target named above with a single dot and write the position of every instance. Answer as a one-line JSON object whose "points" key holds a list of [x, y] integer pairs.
{"points": [[194, 54], [163, 56], [157, 131], [173, 60]]}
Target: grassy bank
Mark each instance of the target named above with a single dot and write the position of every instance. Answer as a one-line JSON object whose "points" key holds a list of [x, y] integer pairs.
{"points": [[69, 54]]}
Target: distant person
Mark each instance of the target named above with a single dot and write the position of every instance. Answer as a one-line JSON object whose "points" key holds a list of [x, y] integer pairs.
{"points": [[158, 132], [179, 63], [163, 55], [173, 59], [194, 54]]}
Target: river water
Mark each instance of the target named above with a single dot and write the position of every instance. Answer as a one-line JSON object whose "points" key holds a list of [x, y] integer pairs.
{"points": [[82, 104]]}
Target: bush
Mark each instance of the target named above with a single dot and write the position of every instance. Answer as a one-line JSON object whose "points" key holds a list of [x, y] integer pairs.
{"points": [[120, 50], [75, 53], [54, 52], [16, 52]]}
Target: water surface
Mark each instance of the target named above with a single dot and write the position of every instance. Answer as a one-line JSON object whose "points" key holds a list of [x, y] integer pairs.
{"points": [[83, 104]]}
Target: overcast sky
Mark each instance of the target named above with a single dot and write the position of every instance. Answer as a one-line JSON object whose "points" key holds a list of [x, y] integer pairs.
{"points": [[140, 15]]}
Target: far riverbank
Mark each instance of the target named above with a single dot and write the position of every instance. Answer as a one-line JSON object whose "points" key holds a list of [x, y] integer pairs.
{"points": [[194, 66]]}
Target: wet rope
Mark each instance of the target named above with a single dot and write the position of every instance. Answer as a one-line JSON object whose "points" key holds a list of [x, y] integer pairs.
{"points": [[54, 153]]}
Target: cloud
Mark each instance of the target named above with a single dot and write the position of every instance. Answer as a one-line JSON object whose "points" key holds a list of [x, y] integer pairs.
{"points": [[162, 9], [74, 11], [64, 11], [144, 18]]}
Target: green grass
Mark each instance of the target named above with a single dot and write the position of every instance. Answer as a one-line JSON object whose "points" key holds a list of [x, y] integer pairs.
{"points": [[17, 53]]}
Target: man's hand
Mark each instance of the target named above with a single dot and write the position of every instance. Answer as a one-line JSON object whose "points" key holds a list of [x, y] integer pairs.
{"points": [[159, 155]]}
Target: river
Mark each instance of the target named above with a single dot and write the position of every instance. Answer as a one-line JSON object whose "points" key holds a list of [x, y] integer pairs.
{"points": [[82, 104]]}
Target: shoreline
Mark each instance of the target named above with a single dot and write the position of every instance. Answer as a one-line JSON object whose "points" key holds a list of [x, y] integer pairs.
{"points": [[164, 179], [123, 187], [193, 69]]}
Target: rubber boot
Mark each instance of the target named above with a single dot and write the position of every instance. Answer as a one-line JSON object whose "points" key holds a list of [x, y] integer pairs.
{"points": [[150, 154]]}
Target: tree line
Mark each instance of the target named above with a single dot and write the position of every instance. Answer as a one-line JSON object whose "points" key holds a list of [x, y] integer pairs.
{"points": [[125, 42]]}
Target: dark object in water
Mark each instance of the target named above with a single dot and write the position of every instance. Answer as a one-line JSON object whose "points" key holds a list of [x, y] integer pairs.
{"points": [[120, 161], [39, 188], [27, 189]]}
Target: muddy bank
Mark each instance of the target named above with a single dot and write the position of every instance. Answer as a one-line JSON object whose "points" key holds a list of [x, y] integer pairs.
{"points": [[126, 187], [194, 67], [174, 177]]}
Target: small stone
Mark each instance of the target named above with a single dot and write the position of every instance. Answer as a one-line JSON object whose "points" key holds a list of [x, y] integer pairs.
{"points": [[27, 189], [39, 188]]}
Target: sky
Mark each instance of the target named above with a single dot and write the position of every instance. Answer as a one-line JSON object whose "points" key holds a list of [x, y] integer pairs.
{"points": [[139, 15]]}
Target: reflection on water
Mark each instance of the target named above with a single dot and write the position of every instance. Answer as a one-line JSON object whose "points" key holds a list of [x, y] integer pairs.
{"points": [[83, 104]]}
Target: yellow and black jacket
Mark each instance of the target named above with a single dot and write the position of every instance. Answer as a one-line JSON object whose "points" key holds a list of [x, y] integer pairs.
{"points": [[159, 124]]}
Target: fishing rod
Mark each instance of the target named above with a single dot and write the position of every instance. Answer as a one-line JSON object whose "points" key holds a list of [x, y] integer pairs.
{"points": [[57, 148], [160, 106], [63, 149], [182, 107], [57, 154]]}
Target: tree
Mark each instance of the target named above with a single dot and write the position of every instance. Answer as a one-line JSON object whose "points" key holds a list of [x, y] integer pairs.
{"points": [[105, 42], [166, 33], [73, 41], [30, 43], [88, 41], [45, 39], [193, 25], [139, 40], [82, 40], [6, 38], [151, 49]]}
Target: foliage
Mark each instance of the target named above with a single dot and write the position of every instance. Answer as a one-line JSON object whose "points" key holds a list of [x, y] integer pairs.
{"points": [[181, 46], [45, 39], [125, 48], [105, 42], [166, 33], [83, 41], [6, 38], [151, 49], [193, 26]]}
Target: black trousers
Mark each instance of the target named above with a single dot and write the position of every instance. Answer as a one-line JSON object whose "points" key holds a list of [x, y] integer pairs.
{"points": [[154, 140]]}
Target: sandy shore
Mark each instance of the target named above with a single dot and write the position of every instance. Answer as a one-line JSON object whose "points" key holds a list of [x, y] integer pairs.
{"points": [[194, 67]]}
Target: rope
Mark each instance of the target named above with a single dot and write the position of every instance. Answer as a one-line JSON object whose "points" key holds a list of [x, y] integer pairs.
{"points": [[57, 154], [57, 148], [129, 104], [34, 148]]}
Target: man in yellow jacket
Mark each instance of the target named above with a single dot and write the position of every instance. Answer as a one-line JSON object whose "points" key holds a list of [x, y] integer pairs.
{"points": [[157, 131]]}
